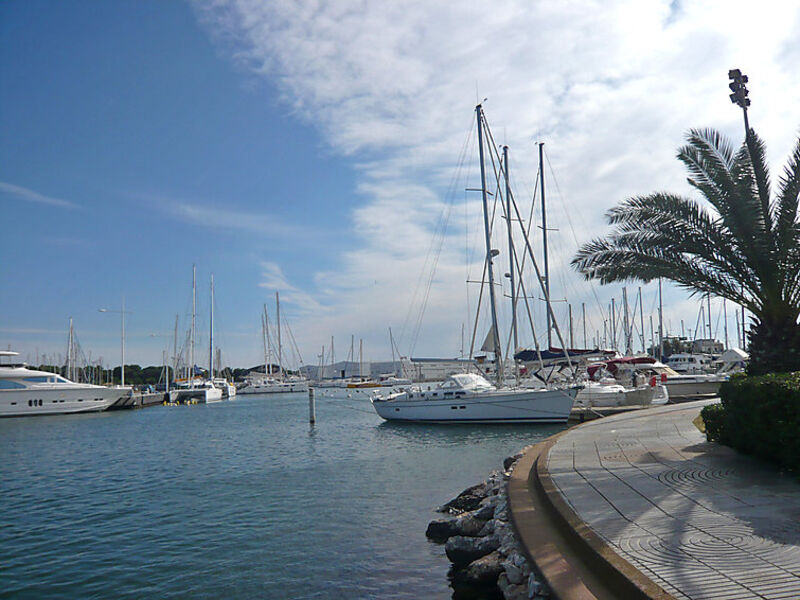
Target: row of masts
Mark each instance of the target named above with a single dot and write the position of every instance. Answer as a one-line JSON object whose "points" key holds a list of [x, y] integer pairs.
{"points": [[610, 334]]}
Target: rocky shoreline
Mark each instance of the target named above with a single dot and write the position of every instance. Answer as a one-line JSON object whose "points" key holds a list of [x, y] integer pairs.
{"points": [[487, 559]]}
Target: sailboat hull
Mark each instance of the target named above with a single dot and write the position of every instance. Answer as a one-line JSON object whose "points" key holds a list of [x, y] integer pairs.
{"points": [[503, 406]]}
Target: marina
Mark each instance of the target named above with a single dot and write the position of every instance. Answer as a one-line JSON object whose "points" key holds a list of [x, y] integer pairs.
{"points": [[423, 301]]}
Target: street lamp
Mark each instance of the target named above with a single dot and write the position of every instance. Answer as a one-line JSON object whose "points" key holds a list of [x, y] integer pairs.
{"points": [[122, 313], [740, 93]]}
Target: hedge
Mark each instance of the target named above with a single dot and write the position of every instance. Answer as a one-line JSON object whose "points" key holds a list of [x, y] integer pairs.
{"points": [[759, 416]]}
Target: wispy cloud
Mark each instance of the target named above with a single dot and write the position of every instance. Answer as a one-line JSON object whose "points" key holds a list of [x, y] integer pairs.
{"points": [[221, 217], [28, 195], [609, 86]]}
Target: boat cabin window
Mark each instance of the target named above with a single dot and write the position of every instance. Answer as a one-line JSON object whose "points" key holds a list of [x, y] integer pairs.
{"points": [[6, 384], [36, 379]]}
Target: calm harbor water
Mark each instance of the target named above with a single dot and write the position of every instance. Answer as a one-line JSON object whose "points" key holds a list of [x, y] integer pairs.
{"points": [[239, 499]]}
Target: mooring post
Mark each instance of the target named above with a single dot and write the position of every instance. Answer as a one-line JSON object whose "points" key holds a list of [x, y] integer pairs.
{"points": [[312, 417]]}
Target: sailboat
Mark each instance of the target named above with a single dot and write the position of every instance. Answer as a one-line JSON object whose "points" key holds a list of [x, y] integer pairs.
{"points": [[268, 384], [469, 397], [194, 388]]}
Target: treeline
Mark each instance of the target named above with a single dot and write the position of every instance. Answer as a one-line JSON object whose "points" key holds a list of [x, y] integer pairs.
{"points": [[138, 375]]}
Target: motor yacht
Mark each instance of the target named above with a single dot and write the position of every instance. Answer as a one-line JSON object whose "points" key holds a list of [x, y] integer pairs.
{"points": [[25, 391]]}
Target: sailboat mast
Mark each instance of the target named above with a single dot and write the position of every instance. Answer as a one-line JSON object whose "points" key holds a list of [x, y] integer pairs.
{"points": [[278, 322], [510, 251], [544, 242], [191, 333], [489, 255], [660, 323], [264, 334], [211, 334]]}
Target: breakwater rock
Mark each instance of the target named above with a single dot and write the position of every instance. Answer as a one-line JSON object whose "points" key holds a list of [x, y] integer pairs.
{"points": [[487, 560]]}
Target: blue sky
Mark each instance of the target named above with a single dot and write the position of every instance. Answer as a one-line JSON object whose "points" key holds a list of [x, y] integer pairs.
{"points": [[310, 149]]}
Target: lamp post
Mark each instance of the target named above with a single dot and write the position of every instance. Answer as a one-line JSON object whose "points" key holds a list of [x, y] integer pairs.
{"points": [[122, 313], [739, 97]]}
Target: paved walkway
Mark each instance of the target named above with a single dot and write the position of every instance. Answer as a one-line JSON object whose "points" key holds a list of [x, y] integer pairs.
{"points": [[697, 519]]}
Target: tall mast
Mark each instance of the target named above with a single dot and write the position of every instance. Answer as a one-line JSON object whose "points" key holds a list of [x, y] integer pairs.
{"points": [[544, 242], [175, 348], [510, 251], [710, 330], [725, 317], [660, 323], [211, 334], [583, 310], [626, 322], [361, 358], [278, 322], [613, 325], [264, 334], [641, 320], [191, 332], [489, 254]]}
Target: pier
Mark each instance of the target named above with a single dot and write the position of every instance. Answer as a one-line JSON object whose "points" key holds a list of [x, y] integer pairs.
{"points": [[639, 505]]}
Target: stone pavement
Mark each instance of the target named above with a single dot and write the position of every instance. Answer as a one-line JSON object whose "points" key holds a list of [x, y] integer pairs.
{"points": [[697, 519]]}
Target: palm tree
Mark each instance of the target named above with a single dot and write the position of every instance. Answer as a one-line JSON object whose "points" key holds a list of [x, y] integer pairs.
{"points": [[743, 246]]}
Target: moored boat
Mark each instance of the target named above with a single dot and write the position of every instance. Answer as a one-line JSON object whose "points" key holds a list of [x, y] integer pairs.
{"points": [[25, 391]]}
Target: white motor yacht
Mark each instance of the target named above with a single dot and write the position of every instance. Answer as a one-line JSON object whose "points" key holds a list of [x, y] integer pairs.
{"points": [[470, 398], [25, 391]]}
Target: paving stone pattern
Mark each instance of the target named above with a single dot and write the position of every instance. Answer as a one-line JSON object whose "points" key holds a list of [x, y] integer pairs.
{"points": [[698, 519]]}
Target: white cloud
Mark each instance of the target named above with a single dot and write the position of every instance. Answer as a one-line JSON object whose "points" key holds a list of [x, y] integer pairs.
{"points": [[29, 195], [611, 87], [222, 217]]}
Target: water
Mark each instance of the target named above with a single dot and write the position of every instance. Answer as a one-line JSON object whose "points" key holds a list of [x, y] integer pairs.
{"points": [[239, 499]]}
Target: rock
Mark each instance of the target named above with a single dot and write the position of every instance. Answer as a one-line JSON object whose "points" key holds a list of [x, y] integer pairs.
{"points": [[439, 530], [480, 572], [484, 512], [513, 572], [469, 499], [510, 461], [488, 528], [462, 550], [511, 591], [535, 588], [468, 525]]}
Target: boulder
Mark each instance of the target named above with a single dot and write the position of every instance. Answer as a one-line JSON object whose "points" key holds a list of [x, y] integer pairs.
{"points": [[484, 512], [462, 550], [510, 460], [483, 571], [469, 499], [468, 525], [510, 590], [439, 530]]}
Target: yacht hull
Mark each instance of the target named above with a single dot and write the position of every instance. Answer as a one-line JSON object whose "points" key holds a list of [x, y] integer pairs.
{"points": [[68, 400], [690, 387], [513, 406], [275, 388]]}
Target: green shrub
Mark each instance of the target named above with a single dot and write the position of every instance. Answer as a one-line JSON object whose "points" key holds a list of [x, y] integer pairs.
{"points": [[761, 416], [714, 418]]}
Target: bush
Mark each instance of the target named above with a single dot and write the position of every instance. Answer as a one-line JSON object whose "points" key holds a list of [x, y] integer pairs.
{"points": [[759, 416], [713, 416]]}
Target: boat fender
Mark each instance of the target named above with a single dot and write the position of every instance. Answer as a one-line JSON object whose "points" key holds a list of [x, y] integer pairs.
{"points": [[653, 381], [663, 377]]}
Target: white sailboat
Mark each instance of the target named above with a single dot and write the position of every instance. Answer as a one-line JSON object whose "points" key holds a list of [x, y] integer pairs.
{"points": [[193, 388], [468, 397], [267, 384]]}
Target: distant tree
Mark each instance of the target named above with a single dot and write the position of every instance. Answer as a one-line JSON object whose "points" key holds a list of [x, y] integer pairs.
{"points": [[746, 248]]}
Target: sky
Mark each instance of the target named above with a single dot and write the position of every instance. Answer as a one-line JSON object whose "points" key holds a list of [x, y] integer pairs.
{"points": [[325, 150]]}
